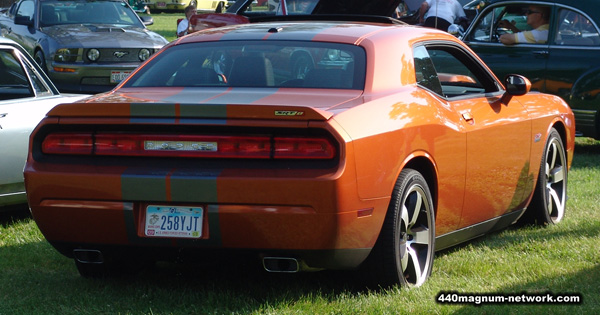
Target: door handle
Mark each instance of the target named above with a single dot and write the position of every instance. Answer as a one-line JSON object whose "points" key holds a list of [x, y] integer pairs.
{"points": [[3, 115], [468, 118], [542, 53]]}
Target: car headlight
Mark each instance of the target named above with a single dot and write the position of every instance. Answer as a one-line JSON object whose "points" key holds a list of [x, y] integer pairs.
{"points": [[144, 54], [93, 54], [66, 55]]}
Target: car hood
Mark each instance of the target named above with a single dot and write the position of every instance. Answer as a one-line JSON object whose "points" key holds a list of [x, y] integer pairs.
{"points": [[359, 7], [104, 35], [220, 103]]}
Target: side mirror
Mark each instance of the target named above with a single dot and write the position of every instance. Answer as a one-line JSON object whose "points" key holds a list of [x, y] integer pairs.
{"points": [[147, 20], [515, 85], [23, 20]]}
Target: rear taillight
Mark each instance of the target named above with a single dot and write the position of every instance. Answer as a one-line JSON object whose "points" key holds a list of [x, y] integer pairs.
{"points": [[134, 144], [71, 143]]}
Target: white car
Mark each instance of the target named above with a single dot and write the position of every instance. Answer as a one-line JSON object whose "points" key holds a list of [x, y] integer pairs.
{"points": [[26, 95]]}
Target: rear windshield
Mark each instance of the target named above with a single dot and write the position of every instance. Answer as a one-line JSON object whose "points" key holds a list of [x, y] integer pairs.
{"points": [[255, 64]]}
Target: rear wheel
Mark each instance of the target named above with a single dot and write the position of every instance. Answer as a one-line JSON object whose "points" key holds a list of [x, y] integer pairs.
{"points": [[219, 8], [301, 65], [550, 196], [39, 59], [405, 249]]}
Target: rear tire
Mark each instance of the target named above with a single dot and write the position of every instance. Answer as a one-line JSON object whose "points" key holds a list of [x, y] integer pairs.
{"points": [[40, 60], [550, 196], [404, 252], [219, 8]]}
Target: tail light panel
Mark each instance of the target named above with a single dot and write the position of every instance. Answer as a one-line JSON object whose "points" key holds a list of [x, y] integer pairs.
{"points": [[197, 146]]}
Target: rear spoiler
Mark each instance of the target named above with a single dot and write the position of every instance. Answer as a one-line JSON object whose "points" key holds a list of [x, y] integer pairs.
{"points": [[189, 111]]}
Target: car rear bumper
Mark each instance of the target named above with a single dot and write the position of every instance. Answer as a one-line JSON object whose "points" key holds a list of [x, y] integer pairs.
{"points": [[340, 240]]}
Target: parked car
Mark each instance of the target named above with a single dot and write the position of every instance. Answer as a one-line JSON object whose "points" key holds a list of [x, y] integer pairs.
{"points": [[214, 146], [26, 95], [83, 46], [562, 66], [248, 11], [177, 5]]}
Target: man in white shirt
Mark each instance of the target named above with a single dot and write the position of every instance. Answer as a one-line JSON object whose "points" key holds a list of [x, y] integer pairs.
{"points": [[537, 18], [182, 27], [440, 14]]}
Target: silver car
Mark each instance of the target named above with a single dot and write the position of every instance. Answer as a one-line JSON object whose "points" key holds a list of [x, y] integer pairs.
{"points": [[83, 45], [26, 95]]}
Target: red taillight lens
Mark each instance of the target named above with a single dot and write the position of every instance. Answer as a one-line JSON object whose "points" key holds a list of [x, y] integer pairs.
{"points": [[258, 147], [68, 143], [303, 148]]}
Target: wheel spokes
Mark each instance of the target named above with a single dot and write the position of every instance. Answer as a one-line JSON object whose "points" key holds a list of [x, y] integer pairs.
{"points": [[417, 239], [555, 182]]}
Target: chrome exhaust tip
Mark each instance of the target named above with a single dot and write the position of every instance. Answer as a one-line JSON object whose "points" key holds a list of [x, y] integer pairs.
{"points": [[88, 256], [281, 264]]}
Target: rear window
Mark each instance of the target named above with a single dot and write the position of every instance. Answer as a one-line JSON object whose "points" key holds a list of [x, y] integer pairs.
{"points": [[255, 64]]}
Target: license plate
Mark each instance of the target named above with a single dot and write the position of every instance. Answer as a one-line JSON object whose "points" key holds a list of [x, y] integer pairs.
{"points": [[118, 76], [168, 221], [161, 4]]}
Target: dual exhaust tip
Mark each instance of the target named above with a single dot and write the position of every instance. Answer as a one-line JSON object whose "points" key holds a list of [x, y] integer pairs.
{"points": [[271, 264]]}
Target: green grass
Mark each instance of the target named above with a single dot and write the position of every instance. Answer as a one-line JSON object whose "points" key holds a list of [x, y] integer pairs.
{"points": [[35, 279], [165, 24]]}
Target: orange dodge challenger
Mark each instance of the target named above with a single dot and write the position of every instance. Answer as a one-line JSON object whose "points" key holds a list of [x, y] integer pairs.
{"points": [[394, 141]]}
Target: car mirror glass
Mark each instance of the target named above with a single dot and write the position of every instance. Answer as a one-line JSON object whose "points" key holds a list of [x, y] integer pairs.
{"points": [[517, 84], [23, 20]]}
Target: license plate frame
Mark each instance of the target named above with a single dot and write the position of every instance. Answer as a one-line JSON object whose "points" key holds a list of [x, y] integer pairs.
{"points": [[174, 221], [116, 76]]}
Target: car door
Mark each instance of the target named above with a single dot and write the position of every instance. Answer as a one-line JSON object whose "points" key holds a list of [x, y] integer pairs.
{"points": [[526, 59], [22, 34], [498, 145], [24, 100], [572, 72]]}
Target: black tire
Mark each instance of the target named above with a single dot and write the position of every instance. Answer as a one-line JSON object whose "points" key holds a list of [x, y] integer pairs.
{"points": [[40, 60], [404, 252], [219, 8], [550, 196], [301, 65]]}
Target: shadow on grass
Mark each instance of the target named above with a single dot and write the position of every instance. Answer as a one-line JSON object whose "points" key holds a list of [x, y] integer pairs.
{"points": [[10, 214], [587, 146]]}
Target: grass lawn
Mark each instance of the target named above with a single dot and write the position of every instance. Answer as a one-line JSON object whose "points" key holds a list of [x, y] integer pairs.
{"points": [[562, 259], [165, 24]]}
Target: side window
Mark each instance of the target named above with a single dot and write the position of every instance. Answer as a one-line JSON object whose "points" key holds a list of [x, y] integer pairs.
{"points": [[13, 79], [451, 72], [39, 85], [574, 29], [513, 19], [26, 9], [486, 26], [425, 71]]}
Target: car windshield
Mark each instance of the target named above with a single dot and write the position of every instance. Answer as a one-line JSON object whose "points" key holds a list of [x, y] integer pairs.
{"points": [[255, 64], [87, 12]]}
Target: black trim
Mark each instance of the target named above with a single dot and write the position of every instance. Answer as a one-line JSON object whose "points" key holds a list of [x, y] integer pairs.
{"points": [[476, 230], [328, 17]]}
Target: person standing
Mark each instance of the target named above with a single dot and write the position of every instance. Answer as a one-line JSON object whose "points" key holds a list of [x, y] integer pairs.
{"points": [[183, 26], [440, 14]]}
